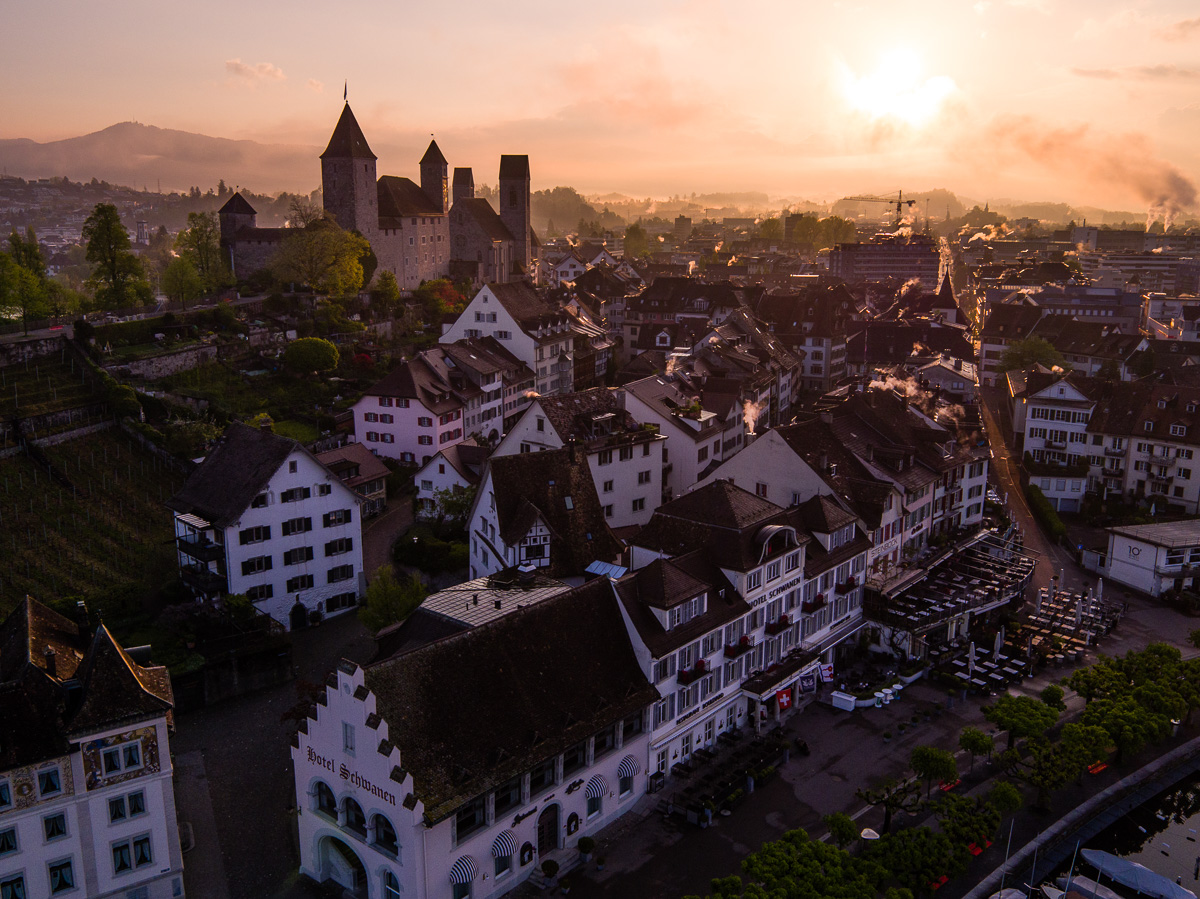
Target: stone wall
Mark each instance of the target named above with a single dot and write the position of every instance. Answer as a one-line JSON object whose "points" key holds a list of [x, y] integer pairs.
{"points": [[160, 365], [22, 350]]}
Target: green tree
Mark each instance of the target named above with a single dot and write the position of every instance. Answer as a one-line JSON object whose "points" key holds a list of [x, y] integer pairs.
{"points": [[771, 229], [310, 354], [798, 867], [975, 742], [842, 828], [1053, 697], [390, 600], [20, 290], [385, 295], [917, 857], [452, 506], [1023, 354], [200, 244], [27, 253], [1004, 798], [323, 256], [637, 244], [117, 277], [930, 764], [181, 281], [1021, 716], [892, 796]]}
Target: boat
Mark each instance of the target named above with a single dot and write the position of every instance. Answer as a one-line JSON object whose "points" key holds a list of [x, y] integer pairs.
{"points": [[1088, 888], [1136, 877]]}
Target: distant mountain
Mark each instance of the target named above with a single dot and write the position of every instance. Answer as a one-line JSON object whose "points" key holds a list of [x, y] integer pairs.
{"points": [[136, 155]]}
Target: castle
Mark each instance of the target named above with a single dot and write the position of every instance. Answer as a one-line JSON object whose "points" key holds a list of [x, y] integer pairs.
{"points": [[415, 232]]}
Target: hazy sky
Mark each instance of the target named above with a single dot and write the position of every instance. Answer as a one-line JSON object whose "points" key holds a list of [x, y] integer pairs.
{"points": [[1089, 102]]}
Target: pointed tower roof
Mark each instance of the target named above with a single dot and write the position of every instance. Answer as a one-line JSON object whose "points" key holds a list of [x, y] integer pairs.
{"points": [[237, 205], [945, 295], [433, 155], [348, 139], [514, 167]]}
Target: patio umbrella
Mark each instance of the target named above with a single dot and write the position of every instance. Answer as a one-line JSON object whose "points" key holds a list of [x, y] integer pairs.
{"points": [[971, 659], [1037, 604], [1079, 611], [999, 643], [1100, 588]]}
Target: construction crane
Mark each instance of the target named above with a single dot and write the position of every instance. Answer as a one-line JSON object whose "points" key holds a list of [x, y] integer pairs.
{"points": [[899, 202]]}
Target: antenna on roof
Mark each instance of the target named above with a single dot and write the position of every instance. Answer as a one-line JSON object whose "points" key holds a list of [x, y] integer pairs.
{"points": [[346, 90]]}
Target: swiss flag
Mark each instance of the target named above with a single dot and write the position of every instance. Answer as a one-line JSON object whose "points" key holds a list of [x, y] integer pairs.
{"points": [[784, 698]]}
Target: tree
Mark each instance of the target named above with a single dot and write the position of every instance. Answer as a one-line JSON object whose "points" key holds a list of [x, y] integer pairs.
{"points": [[200, 244], [181, 281], [1004, 798], [1021, 716], [310, 354], [917, 857], [771, 229], [842, 828], [439, 298], [390, 600], [893, 796], [323, 256], [1053, 697], [799, 867], [975, 742], [452, 506], [27, 253], [117, 278], [931, 763], [19, 289], [1023, 354], [385, 295], [637, 244]]}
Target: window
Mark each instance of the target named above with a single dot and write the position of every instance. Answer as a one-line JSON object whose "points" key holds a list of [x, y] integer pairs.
{"points": [[48, 782], [326, 804], [295, 494], [117, 810], [791, 562], [754, 580], [370, 416], [55, 826], [594, 805], [12, 888], [608, 486], [257, 564], [604, 457], [608, 511], [385, 401], [300, 582], [541, 777], [341, 573], [292, 467], [508, 795], [122, 758], [643, 477], [298, 555], [348, 737], [326, 489], [772, 570], [356, 821], [296, 526], [5, 794], [332, 519], [760, 489], [574, 758], [385, 835], [372, 436], [62, 877], [639, 504], [470, 818], [129, 855], [254, 535], [425, 421], [625, 453], [260, 592], [8, 840], [702, 454], [339, 546]]}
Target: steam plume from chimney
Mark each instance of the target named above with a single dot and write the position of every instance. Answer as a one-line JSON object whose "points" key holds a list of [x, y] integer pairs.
{"points": [[750, 413]]}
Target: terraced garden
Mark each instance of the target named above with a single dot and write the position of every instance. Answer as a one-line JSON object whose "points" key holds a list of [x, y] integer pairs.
{"points": [[100, 533], [46, 384]]}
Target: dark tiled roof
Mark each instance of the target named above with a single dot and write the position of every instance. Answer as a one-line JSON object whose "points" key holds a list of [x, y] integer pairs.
{"points": [[529, 485], [237, 205], [343, 458], [472, 710], [821, 514], [524, 305], [418, 629], [514, 167], [467, 459], [347, 139], [481, 212], [721, 504], [238, 468], [39, 714], [400, 197], [423, 379], [433, 155], [571, 415], [1011, 322]]}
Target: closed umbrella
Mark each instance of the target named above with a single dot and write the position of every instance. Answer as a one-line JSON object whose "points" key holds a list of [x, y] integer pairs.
{"points": [[999, 643], [971, 659]]}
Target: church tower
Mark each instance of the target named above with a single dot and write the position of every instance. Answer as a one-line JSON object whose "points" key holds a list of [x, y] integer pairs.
{"points": [[348, 181], [514, 207], [464, 184], [433, 177]]}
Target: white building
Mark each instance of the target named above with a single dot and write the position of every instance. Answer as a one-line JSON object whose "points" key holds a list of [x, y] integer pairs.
{"points": [[625, 458], [456, 769], [87, 805], [456, 469], [1154, 558], [262, 517], [1052, 410], [534, 331]]}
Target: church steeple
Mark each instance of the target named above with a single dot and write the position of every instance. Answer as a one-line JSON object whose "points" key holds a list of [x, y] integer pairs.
{"points": [[434, 183], [348, 183], [348, 141]]}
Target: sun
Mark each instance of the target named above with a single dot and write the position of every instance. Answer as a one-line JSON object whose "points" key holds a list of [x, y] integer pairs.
{"points": [[896, 89]]}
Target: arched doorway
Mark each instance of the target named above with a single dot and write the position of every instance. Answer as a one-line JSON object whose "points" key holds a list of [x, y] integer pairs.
{"points": [[298, 616], [339, 863], [547, 830]]}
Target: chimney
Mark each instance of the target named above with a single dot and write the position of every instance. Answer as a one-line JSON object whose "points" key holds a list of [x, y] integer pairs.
{"points": [[824, 462], [83, 620], [525, 573], [497, 605], [51, 662], [571, 449]]}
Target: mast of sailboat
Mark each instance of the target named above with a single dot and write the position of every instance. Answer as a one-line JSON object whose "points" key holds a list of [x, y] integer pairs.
{"points": [[1004, 870], [1071, 870], [1033, 871]]}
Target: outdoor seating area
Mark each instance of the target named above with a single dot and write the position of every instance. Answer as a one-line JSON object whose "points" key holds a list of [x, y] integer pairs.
{"points": [[714, 781]]}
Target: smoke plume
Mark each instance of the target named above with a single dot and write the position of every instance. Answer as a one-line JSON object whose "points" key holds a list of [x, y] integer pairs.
{"points": [[750, 413], [907, 386]]}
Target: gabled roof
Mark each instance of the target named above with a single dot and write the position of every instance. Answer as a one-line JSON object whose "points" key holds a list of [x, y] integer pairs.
{"points": [[433, 155], [465, 458], [473, 710], [571, 415], [524, 305], [347, 139], [116, 689], [343, 458], [237, 205], [1011, 322], [232, 474], [822, 515], [400, 197], [422, 380], [481, 212], [529, 486], [721, 504]]}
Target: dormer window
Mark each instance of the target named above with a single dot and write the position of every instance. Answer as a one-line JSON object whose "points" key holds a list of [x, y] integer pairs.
{"points": [[1149, 426], [1178, 430], [1162, 404]]}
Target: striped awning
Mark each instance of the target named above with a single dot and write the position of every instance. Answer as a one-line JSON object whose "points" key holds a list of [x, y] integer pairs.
{"points": [[629, 767], [596, 787], [464, 870], [505, 845]]}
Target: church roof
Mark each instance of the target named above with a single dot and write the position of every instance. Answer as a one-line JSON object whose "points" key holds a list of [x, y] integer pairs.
{"points": [[400, 197], [348, 139], [237, 205], [482, 213], [433, 155], [514, 167]]}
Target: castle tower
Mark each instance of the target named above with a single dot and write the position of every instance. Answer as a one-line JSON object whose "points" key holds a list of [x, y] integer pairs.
{"points": [[433, 177], [233, 216], [348, 180], [514, 207], [464, 184]]}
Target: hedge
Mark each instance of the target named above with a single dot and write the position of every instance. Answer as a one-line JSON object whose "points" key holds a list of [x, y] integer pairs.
{"points": [[1044, 512]]}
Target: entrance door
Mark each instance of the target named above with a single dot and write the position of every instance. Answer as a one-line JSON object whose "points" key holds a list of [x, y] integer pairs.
{"points": [[340, 864], [298, 617], [547, 830]]}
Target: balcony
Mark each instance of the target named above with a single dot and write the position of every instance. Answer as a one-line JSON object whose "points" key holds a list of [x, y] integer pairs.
{"points": [[847, 585], [780, 624], [202, 579], [813, 604], [1118, 453], [741, 647], [200, 548], [1114, 472], [1055, 444], [693, 674]]}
